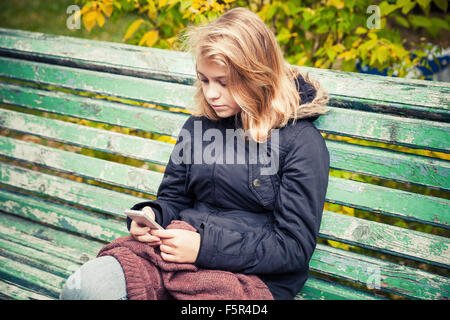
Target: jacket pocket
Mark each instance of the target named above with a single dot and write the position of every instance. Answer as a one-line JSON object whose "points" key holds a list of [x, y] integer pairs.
{"points": [[261, 185]]}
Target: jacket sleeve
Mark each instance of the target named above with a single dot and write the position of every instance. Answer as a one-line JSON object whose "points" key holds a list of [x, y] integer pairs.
{"points": [[171, 197], [289, 245]]}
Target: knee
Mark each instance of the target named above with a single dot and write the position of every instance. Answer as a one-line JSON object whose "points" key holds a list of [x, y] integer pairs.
{"points": [[98, 279]]}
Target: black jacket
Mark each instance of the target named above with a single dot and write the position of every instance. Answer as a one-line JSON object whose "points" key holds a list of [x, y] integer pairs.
{"points": [[250, 221]]}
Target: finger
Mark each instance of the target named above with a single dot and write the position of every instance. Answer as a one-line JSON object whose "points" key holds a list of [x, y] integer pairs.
{"points": [[140, 232], [167, 249], [147, 238], [168, 257], [138, 229], [163, 234], [149, 210]]}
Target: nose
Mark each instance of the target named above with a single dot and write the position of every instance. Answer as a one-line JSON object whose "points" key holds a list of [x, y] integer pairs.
{"points": [[212, 92]]}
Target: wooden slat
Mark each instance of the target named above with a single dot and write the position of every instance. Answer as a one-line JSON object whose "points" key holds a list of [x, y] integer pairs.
{"points": [[390, 165], [18, 251], [59, 259], [393, 202], [63, 217], [386, 238], [13, 291], [80, 249], [100, 199], [117, 174], [389, 276], [318, 289], [120, 86], [40, 281], [153, 120], [122, 58], [381, 94], [97, 139], [409, 132], [423, 99]]}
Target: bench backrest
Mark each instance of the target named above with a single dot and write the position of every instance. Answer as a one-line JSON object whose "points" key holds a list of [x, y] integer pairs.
{"points": [[79, 123]]}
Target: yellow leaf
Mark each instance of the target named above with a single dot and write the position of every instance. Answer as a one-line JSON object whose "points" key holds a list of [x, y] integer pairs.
{"points": [[132, 29], [149, 38], [372, 35], [89, 20], [336, 3], [107, 7], [349, 211], [162, 3], [152, 10], [86, 8], [100, 19], [360, 30]]}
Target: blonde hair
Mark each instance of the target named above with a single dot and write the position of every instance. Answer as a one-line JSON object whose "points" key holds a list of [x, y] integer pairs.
{"points": [[259, 79]]}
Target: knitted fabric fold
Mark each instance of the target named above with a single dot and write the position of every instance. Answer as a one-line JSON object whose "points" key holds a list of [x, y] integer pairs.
{"points": [[149, 277]]}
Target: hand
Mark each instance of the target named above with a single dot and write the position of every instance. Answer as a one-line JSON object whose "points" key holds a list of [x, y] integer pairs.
{"points": [[141, 233], [178, 245]]}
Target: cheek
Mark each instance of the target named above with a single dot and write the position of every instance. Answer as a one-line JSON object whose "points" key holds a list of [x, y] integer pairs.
{"points": [[232, 103]]}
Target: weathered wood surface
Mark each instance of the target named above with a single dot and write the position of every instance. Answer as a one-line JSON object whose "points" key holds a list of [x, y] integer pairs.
{"points": [[404, 204], [407, 205], [350, 266], [428, 100], [366, 125], [383, 275], [76, 250], [360, 159], [394, 240]]}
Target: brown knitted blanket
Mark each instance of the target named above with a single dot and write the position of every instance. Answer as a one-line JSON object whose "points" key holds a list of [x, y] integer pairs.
{"points": [[149, 277]]}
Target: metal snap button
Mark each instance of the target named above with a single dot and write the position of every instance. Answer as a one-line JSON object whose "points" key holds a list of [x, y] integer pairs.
{"points": [[256, 183]]}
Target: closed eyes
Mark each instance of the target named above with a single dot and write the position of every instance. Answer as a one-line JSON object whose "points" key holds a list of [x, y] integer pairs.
{"points": [[206, 81]]}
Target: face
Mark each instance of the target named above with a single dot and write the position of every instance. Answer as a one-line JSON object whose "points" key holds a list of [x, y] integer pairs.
{"points": [[213, 78]]}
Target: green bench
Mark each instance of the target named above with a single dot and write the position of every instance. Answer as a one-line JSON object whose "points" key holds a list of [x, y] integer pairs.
{"points": [[66, 183]]}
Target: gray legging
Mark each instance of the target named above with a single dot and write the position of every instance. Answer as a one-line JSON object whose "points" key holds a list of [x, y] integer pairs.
{"points": [[98, 279]]}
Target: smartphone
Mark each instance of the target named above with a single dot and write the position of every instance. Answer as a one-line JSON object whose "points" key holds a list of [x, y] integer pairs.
{"points": [[143, 218]]}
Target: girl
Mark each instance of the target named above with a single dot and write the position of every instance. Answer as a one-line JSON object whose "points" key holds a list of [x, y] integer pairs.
{"points": [[257, 217]]}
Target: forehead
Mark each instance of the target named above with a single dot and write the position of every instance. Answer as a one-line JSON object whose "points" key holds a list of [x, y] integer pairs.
{"points": [[211, 68]]}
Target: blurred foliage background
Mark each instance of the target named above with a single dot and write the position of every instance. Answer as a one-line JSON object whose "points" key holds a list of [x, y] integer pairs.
{"points": [[330, 34]]}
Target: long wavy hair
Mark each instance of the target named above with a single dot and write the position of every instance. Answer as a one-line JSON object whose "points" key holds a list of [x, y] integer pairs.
{"points": [[259, 78]]}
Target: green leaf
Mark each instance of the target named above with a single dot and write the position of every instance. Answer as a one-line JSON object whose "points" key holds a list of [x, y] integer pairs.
{"points": [[271, 11], [419, 21], [386, 8], [425, 5], [441, 4], [331, 53], [402, 21], [440, 23], [406, 5], [323, 28], [185, 4]]}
